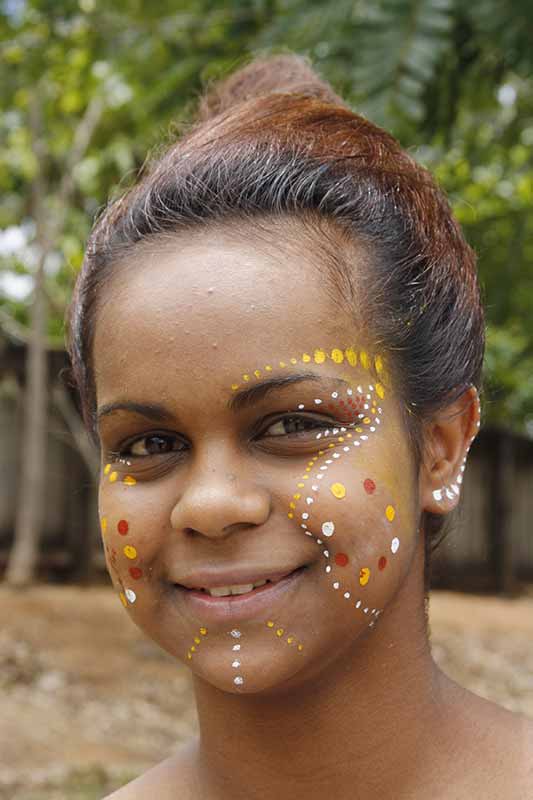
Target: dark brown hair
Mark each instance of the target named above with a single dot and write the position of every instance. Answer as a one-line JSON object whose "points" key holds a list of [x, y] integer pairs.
{"points": [[274, 140]]}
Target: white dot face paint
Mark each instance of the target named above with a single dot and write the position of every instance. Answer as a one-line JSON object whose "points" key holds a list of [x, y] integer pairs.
{"points": [[130, 594], [328, 528], [395, 544], [238, 680], [236, 634]]}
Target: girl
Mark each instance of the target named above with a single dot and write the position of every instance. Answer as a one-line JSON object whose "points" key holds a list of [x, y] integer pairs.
{"points": [[277, 337]]}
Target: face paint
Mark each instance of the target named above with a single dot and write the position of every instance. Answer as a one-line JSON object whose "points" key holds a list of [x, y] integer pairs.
{"points": [[453, 490]]}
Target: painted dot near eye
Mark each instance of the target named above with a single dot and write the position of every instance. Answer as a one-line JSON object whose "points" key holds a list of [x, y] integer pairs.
{"points": [[338, 490], [113, 477], [319, 356], [394, 545], [328, 528], [136, 573], [268, 368], [363, 358], [369, 486], [123, 527], [337, 356], [130, 551], [129, 480], [364, 576], [270, 624], [257, 373], [380, 391], [390, 513], [341, 559], [130, 594], [382, 563], [279, 632], [107, 469], [300, 647], [290, 515], [351, 357], [234, 387], [306, 358], [294, 360], [203, 631]]}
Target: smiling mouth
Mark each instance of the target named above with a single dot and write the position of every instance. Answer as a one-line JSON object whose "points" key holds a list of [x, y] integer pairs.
{"points": [[232, 590]]}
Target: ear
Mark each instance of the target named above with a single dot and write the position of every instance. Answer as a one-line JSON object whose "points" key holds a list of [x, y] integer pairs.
{"points": [[447, 440]]}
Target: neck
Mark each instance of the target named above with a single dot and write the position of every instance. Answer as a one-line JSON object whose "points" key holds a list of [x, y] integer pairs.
{"points": [[366, 722]]}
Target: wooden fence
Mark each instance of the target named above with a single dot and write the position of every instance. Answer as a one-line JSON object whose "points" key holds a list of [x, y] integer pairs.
{"points": [[489, 546]]}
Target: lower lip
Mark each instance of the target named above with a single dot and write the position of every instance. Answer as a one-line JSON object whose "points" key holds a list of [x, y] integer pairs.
{"points": [[238, 606]]}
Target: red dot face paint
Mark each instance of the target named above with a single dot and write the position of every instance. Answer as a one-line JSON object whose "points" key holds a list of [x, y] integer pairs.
{"points": [[369, 486], [123, 527], [382, 563], [341, 559], [136, 573]]}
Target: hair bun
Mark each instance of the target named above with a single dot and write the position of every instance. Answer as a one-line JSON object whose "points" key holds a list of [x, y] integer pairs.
{"points": [[280, 74]]}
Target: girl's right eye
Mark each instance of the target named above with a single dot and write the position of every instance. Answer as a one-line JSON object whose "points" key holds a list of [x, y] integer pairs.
{"points": [[153, 445]]}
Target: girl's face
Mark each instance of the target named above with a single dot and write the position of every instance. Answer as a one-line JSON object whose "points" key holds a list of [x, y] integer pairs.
{"points": [[258, 497]]}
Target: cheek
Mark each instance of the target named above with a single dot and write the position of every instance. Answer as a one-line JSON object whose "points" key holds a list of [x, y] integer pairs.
{"points": [[355, 501], [126, 515]]}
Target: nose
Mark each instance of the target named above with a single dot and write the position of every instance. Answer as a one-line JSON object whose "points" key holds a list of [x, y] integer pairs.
{"points": [[217, 504]]}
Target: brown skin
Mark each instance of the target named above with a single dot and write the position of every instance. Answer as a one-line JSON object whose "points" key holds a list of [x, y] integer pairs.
{"points": [[360, 711]]}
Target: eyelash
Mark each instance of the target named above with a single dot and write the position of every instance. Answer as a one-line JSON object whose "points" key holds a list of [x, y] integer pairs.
{"points": [[310, 423]]}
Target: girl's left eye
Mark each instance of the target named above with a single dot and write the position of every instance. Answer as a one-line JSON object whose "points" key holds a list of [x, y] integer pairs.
{"points": [[292, 425], [155, 444]]}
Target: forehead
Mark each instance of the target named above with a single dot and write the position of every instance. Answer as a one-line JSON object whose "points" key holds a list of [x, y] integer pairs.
{"points": [[213, 304]]}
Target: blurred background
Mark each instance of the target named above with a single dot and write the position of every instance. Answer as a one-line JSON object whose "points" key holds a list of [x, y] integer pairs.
{"points": [[87, 88]]}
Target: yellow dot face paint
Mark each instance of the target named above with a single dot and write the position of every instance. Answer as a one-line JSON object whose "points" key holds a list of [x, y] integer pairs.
{"points": [[107, 469], [130, 551], [306, 358], [113, 477], [338, 490], [364, 576], [351, 357], [103, 525], [319, 356], [123, 599], [390, 513], [129, 480], [363, 359], [380, 391], [337, 356]]}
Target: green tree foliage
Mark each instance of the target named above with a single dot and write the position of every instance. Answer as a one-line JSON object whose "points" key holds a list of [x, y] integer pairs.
{"points": [[451, 80]]}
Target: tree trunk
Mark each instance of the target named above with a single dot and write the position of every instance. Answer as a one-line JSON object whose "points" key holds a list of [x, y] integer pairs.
{"points": [[23, 559]]}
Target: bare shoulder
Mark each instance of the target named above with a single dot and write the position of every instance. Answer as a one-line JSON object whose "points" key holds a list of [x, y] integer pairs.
{"points": [[493, 751], [168, 780]]}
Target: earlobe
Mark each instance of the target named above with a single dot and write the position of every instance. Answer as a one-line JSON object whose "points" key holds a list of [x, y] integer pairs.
{"points": [[448, 438]]}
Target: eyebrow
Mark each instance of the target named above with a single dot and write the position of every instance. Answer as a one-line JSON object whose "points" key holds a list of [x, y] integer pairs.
{"points": [[152, 411], [248, 397]]}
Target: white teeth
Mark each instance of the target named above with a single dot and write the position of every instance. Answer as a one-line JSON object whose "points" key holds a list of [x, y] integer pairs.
{"points": [[225, 591]]}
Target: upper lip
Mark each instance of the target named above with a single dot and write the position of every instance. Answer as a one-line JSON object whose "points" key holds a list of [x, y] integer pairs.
{"points": [[213, 579]]}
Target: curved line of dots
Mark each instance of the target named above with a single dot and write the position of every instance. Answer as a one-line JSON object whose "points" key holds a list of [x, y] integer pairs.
{"points": [[196, 642], [280, 632], [338, 356], [370, 407], [112, 476]]}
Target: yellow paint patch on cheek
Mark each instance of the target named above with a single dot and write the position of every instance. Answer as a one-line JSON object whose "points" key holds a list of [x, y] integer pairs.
{"points": [[130, 551], [338, 490], [364, 576]]}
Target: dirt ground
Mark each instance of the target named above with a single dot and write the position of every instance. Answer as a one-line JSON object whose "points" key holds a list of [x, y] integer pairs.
{"points": [[86, 706]]}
